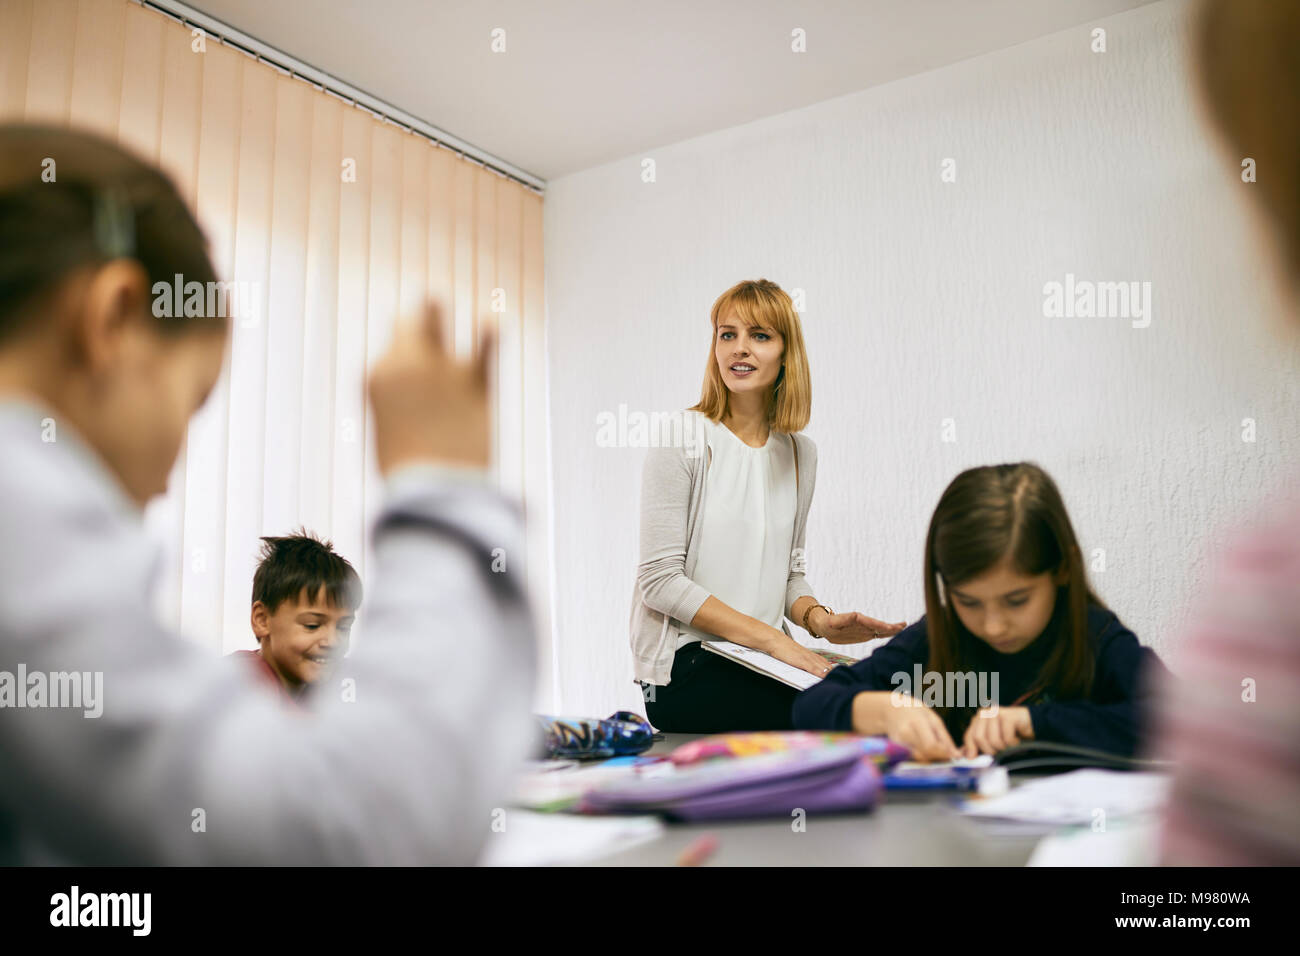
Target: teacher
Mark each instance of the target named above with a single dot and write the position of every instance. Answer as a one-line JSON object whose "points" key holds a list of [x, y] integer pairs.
{"points": [[723, 515]]}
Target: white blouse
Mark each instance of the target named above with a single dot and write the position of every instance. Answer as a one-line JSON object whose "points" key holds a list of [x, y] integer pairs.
{"points": [[750, 499]]}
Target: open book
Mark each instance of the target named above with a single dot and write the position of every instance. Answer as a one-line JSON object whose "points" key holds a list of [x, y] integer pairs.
{"points": [[769, 666]]}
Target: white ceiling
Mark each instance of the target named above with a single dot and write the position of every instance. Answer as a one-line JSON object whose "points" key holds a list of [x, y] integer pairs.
{"points": [[584, 82]]}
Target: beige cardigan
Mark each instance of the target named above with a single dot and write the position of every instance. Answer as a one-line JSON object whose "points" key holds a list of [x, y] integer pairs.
{"points": [[673, 485]]}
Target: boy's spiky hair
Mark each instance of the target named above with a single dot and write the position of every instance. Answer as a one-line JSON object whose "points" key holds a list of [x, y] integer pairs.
{"points": [[286, 565]]}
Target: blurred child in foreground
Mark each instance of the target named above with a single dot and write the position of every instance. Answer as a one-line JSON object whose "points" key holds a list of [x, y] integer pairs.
{"points": [[96, 391], [1232, 721]]}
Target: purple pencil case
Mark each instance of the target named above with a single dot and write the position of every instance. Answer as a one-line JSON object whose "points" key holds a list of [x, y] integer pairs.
{"points": [[824, 780]]}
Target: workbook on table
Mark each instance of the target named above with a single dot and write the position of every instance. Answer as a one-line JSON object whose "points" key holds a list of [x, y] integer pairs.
{"points": [[769, 666]]}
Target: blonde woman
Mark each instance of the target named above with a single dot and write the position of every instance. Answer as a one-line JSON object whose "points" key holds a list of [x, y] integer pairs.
{"points": [[722, 531]]}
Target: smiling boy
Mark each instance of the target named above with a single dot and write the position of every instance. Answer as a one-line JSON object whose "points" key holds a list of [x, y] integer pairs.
{"points": [[305, 598]]}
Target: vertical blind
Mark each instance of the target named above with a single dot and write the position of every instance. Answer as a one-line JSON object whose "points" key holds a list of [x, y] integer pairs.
{"points": [[265, 159]]}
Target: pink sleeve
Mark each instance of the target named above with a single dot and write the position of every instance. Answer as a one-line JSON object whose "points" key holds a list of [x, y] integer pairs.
{"points": [[1232, 716]]}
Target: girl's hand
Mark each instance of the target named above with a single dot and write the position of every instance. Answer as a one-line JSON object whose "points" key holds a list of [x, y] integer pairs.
{"points": [[852, 627], [428, 406], [796, 655], [991, 731], [919, 729]]}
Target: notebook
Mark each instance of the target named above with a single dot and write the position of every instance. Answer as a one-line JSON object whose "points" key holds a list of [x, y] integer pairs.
{"points": [[769, 666], [961, 774]]}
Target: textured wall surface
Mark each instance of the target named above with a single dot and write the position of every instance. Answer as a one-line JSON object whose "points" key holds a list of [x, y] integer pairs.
{"points": [[924, 302]]}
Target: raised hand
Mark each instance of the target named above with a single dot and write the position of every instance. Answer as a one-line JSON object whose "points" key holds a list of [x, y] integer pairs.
{"points": [[428, 406]]}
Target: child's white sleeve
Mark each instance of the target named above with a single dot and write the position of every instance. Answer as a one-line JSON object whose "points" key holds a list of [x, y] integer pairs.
{"points": [[190, 761]]}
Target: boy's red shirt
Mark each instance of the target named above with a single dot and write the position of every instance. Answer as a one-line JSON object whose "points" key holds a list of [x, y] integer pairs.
{"points": [[256, 661]]}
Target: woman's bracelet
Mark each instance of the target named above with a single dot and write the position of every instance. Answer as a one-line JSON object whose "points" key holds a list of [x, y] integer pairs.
{"points": [[809, 611]]}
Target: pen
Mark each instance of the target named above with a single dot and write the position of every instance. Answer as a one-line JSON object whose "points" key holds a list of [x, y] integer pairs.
{"points": [[698, 851]]}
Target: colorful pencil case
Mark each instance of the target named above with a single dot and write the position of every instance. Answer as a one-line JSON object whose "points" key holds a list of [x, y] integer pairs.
{"points": [[622, 734], [822, 780], [752, 743]]}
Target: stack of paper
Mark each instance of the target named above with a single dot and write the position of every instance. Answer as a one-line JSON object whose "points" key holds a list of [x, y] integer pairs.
{"points": [[1091, 798]]}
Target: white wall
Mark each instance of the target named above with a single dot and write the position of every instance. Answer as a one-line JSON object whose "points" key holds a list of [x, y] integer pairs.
{"points": [[925, 302]]}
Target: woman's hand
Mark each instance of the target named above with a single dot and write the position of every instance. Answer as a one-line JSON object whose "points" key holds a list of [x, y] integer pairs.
{"points": [[993, 730], [919, 729], [850, 627], [796, 655]]}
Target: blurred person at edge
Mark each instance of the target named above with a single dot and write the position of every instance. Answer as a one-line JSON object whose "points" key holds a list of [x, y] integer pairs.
{"points": [[1232, 720]]}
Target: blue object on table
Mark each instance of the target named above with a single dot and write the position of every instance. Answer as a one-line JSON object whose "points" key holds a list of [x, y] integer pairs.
{"points": [[933, 778], [621, 734]]}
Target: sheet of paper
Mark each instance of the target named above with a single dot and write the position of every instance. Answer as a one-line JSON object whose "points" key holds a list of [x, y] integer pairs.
{"points": [[1078, 798], [555, 839]]}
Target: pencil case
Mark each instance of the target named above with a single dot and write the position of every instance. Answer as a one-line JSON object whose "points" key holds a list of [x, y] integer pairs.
{"points": [[830, 779], [621, 734], [752, 743]]}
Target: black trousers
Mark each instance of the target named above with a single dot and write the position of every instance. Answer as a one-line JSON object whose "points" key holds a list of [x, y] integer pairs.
{"points": [[709, 694]]}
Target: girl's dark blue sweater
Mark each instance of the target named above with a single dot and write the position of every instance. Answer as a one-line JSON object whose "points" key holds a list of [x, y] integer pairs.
{"points": [[1112, 718]]}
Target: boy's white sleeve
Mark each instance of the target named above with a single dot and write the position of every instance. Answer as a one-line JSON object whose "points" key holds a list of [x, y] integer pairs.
{"points": [[192, 762]]}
